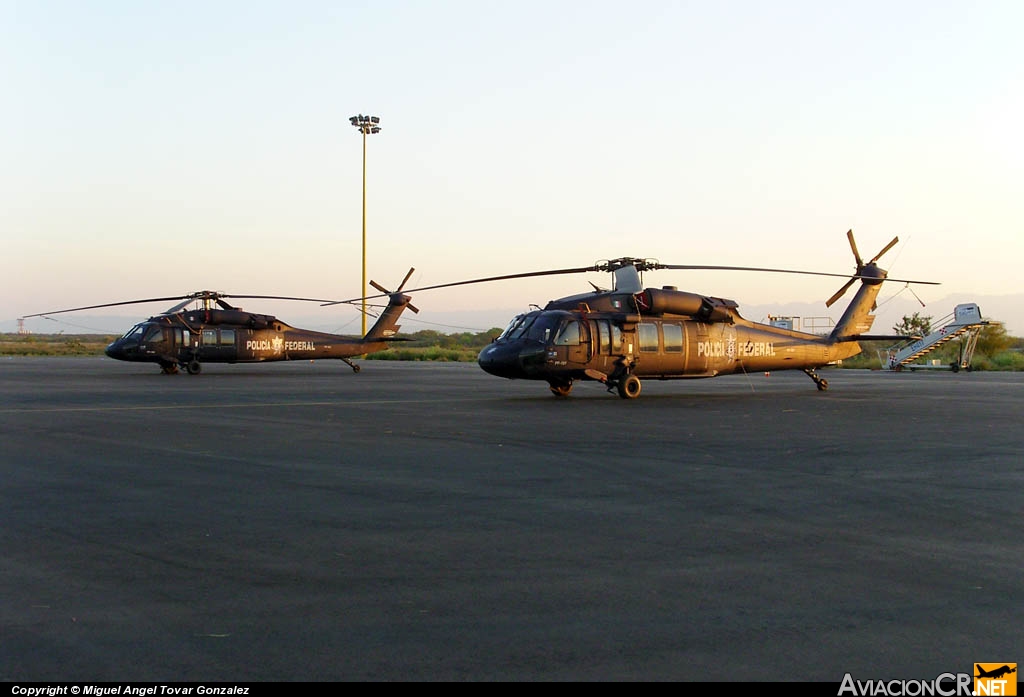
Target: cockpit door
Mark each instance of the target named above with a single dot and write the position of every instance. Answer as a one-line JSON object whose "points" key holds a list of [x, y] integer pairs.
{"points": [[572, 342], [155, 341]]}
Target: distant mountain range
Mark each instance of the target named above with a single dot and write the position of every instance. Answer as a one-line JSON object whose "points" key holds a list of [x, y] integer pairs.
{"points": [[1008, 309]]}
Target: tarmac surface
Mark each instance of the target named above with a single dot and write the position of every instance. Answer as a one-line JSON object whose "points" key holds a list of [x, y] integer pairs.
{"points": [[297, 521]]}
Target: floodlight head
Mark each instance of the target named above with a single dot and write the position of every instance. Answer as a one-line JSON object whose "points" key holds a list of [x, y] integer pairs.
{"points": [[366, 124]]}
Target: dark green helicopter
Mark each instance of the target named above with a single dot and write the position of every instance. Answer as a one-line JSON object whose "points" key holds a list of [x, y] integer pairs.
{"points": [[217, 332], [618, 336]]}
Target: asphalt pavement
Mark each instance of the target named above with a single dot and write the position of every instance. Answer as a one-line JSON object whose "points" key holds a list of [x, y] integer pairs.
{"points": [[298, 521]]}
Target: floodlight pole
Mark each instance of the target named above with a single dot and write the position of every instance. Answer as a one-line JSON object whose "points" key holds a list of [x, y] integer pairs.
{"points": [[366, 126]]}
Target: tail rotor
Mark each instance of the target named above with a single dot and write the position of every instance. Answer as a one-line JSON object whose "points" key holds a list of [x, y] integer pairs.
{"points": [[866, 271], [387, 292]]}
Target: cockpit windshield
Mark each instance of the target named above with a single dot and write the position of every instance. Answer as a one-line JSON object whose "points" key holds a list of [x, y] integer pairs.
{"points": [[135, 332], [533, 325], [518, 326]]}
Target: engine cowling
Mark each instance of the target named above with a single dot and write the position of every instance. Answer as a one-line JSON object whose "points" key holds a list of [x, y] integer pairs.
{"points": [[664, 301]]}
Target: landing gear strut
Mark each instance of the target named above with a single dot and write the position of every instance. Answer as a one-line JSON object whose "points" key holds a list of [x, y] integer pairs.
{"points": [[627, 384], [821, 382]]}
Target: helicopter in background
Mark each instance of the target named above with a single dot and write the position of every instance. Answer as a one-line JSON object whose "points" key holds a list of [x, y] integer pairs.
{"points": [[616, 337], [218, 332]]}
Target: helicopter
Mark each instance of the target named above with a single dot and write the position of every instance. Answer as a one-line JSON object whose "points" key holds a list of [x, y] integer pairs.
{"points": [[618, 336], [218, 332]]}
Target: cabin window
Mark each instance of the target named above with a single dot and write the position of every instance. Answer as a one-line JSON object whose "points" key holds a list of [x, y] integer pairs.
{"points": [[209, 337], [569, 334], [673, 337], [609, 337], [227, 337], [616, 339], [604, 337], [648, 337]]}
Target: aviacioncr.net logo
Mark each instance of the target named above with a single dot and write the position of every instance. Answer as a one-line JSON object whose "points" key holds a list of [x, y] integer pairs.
{"points": [[945, 685]]}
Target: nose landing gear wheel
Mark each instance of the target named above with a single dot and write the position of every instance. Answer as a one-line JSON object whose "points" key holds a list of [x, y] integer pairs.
{"points": [[629, 387], [560, 389]]}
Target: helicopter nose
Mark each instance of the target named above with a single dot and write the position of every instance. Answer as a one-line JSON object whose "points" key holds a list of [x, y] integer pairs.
{"points": [[501, 360], [113, 350], [516, 359]]}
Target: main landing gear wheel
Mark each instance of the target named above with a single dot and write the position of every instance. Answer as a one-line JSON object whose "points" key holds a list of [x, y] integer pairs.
{"points": [[168, 368], [560, 389], [194, 368], [629, 387]]}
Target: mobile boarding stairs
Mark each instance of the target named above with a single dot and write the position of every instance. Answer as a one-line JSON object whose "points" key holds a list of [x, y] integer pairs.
{"points": [[965, 324]]}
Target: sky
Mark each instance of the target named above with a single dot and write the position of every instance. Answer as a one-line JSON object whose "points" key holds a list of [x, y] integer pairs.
{"points": [[154, 149]]}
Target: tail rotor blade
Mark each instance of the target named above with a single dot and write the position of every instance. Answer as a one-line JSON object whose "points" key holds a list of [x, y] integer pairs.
{"points": [[405, 280], [840, 292], [885, 249], [853, 246]]}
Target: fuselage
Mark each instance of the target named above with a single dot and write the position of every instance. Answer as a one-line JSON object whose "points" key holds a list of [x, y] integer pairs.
{"points": [[225, 336], [547, 344]]}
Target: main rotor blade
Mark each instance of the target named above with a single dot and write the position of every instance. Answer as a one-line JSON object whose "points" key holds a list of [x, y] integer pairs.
{"points": [[489, 279], [280, 297], [705, 267], [179, 306], [187, 298], [853, 277], [599, 267], [701, 267], [94, 307]]}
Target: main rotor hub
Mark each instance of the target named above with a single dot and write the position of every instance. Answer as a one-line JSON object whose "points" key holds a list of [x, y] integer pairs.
{"points": [[622, 262]]}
